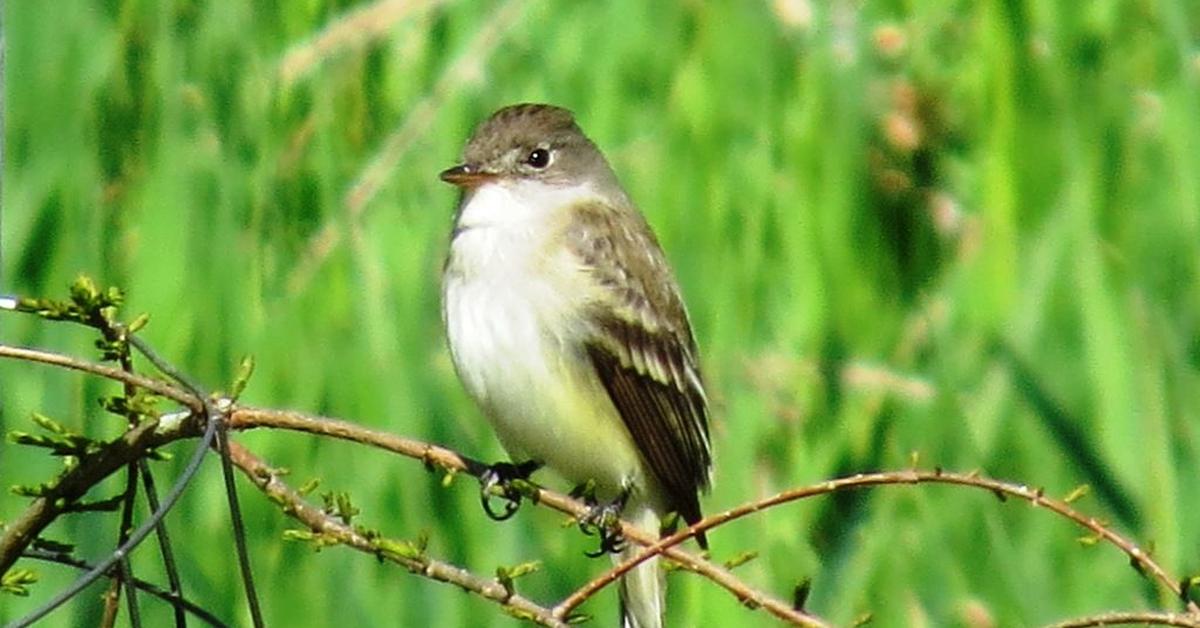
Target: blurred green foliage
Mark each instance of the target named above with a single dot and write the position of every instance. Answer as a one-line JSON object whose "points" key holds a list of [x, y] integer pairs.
{"points": [[969, 230]]}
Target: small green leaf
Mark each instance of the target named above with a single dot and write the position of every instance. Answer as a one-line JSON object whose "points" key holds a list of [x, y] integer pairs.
{"points": [[104, 505], [309, 486], [16, 581], [1189, 589], [1077, 493], [84, 292], [298, 535], [740, 559], [404, 549], [49, 424], [138, 323], [242, 377], [524, 569]]}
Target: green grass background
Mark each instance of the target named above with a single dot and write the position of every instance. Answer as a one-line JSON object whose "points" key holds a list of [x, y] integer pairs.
{"points": [[969, 230]]}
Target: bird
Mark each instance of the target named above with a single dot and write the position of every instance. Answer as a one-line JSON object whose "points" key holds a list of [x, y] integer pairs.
{"points": [[566, 326]]}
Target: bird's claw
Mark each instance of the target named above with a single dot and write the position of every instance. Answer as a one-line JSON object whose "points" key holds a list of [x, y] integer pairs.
{"points": [[604, 521], [497, 481]]}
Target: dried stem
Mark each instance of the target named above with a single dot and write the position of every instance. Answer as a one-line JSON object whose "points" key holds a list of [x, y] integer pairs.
{"points": [[465, 69], [351, 30]]}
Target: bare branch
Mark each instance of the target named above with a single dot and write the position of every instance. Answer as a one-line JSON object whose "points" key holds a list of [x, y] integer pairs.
{"points": [[145, 436], [1139, 558], [57, 359], [74, 484], [247, 418], [317, 520], [1131, 617]]}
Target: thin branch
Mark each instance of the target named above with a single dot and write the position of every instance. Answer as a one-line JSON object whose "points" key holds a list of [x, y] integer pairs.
{"points": [[73, 485], [131, 382], [125, 574], [142, 585], [1187, 620], [21, 532], [249, 418], [57, 359], [1139, 558], [320, 522], [449, 460], [76, 482]]}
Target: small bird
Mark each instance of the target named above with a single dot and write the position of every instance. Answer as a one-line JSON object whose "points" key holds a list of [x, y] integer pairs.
{"points": [[566, 326]]}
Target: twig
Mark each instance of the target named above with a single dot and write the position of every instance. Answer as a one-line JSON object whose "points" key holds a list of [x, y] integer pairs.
{"points": [[1131, 617], [247, 418], [239, 530], [57, 359], [292, 504], [1140, 559], [140, 438], [95, 467], [76, 482]]}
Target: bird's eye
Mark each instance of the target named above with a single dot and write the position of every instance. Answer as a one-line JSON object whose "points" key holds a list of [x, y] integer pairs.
{"points": [[538, 158]]}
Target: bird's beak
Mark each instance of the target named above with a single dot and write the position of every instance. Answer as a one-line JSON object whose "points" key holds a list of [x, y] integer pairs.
{"points": [[466, 176]]}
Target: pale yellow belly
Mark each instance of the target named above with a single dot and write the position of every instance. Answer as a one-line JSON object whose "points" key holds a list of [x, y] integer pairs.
{"points": [[516, 353]]}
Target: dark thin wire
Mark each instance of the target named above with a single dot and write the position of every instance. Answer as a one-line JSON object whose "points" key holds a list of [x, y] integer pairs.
{"points": [[235, 510], [164, 539], [239, 531], [167, 369], [166, 596], [144, 530], [135, 616], [126, 572], [164, 547]]}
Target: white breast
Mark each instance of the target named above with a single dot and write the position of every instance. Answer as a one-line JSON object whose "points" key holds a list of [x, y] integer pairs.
{"points": [[511, 304]]}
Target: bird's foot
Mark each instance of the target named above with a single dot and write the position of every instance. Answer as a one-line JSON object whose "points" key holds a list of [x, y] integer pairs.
{"points": [[602, 520], [497, 481]]}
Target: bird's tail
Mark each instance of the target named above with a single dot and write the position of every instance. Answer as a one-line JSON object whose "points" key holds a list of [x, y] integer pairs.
{"points": [[643, 590]]}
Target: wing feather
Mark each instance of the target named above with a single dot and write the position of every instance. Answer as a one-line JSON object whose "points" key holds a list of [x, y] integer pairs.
{"points": [[642, 348]]}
